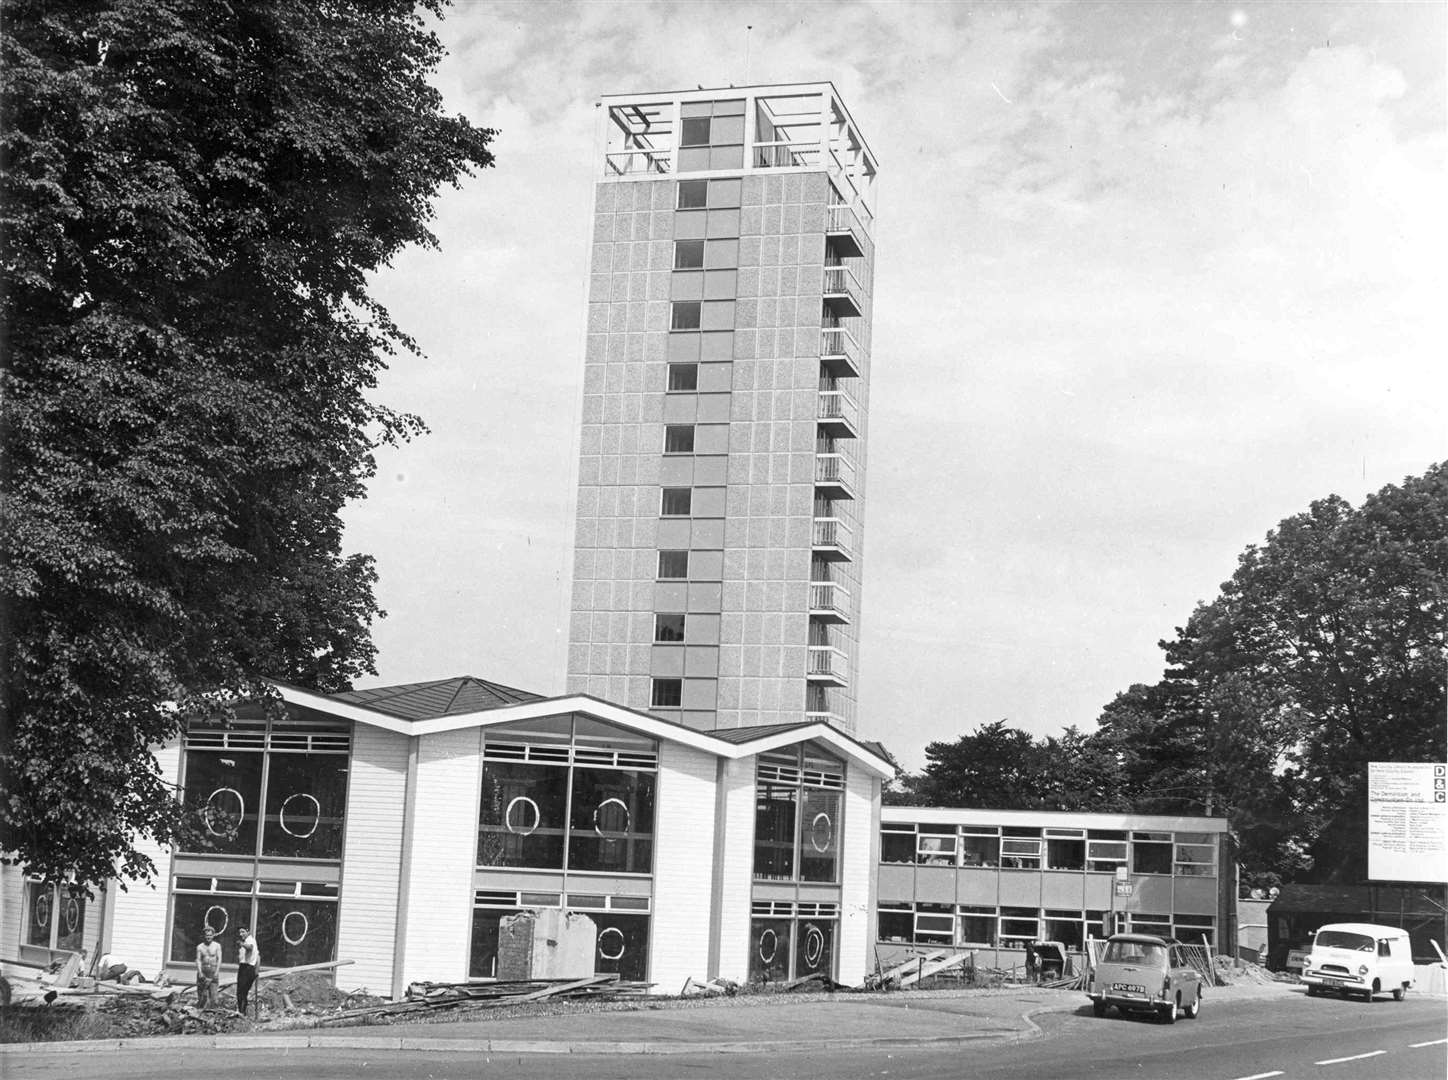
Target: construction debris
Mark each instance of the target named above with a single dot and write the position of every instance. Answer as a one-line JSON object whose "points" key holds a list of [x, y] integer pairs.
{"points": [[429, 996], [916, 968]]}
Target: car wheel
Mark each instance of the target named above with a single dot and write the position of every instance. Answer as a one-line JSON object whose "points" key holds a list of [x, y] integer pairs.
{"points": [[1099, 1008], [1313, 990], [1194, 1010], [1167, 1015], [1400, 992]]}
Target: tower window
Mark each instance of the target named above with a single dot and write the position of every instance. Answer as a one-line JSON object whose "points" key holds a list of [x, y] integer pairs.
{"points": [[685, 315], [673, 565], [693, 194], [669, 626], [688, 254], [683, 376], [679, 439], [676, 502], [667, 693]]}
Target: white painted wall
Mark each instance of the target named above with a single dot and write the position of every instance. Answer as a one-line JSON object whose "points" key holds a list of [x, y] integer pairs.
{"points": [[857, 875], [12, 900], [138, 929], [683, 867], [736, 867], [372, 858], [438, 879]]}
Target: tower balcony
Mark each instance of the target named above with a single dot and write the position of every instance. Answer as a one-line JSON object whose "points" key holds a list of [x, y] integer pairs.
{"points": [[844, 231], [843, 293], [838, 415], [834, 476], [831, 540], [827, 666], [840, 352], [829, 602], [638, 162]]}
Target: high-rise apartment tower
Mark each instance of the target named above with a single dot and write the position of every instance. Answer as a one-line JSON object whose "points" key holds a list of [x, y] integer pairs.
{"points": [[721, 477]]}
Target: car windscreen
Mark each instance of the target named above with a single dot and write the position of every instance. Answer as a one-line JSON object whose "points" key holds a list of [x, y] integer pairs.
{"points": [[1134, 952], [1343, 939]]}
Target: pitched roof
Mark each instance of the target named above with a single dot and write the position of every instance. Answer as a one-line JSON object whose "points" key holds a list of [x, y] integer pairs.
{"points": [[441, 697], [453, 704], [741, 735]]}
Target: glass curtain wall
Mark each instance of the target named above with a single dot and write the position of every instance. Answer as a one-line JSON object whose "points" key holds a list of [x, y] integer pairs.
{"points": [[269, 800], [571, 796]]}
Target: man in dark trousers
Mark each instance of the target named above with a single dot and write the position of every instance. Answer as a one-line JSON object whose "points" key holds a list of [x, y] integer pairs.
{"points": [[248, 960]]}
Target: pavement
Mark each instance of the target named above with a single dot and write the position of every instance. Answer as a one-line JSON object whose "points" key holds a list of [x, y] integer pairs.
{"points": [[694, 1026]]}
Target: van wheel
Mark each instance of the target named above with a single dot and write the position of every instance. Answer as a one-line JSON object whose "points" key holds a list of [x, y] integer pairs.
{"points": [[1099, 1008], [1399, 992], [1194, 1010]]}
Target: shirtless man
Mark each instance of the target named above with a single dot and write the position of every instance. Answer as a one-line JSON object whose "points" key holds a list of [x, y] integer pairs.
{"points": [[208, 969]]}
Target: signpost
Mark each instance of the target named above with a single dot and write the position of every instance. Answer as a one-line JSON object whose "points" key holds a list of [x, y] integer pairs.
{"points": [[1407, 821]]}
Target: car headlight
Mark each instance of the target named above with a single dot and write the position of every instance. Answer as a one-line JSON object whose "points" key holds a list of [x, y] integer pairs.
{"points": [[1362, 969]]}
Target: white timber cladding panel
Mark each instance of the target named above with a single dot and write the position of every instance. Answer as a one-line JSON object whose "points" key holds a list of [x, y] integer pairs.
{"points": [[139, 926], [683, 866], [856, 875], [439, 886], [12, 898], [736, 868], [367, 931]]}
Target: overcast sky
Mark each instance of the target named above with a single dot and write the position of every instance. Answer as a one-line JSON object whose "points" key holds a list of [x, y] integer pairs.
{"points": [[1150, 277]]}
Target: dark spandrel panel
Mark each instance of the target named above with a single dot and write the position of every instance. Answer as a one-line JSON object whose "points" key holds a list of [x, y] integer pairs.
{"points": [[771, 942], [223, 790], [521, 821], [295, 932]]}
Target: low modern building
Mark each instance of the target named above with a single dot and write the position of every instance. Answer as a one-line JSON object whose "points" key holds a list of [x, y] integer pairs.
{"points": [[394, 828], [994, 881]]}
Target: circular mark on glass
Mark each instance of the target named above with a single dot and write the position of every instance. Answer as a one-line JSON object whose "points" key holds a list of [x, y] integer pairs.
{"points": [[814, 946], [517, 826], [768, 946], [223, 812], [821, 832], [225, 919], [315, 811], [611, 817], [42, 910], [72, 914], [610, 937], [290, 934]]}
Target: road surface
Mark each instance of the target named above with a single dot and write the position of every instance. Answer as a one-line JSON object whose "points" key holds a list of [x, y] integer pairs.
{"points": [[1288, 1038]]}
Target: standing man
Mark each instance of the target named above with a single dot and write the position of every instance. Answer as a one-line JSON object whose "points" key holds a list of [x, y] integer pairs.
{"points": [[208, 969], [248, 960]]}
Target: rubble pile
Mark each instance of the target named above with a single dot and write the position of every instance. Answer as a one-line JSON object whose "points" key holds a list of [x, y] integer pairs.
{"points": [[1230, 972]]}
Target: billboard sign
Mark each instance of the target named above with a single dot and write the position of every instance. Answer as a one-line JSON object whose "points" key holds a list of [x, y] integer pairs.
{"points": [[1407, 821]]}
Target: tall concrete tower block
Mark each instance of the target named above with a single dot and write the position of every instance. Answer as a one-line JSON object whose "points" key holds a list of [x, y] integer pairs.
{"points": [[721, 485]]}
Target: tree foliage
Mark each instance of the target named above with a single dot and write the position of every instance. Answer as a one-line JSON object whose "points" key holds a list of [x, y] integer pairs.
{"points": [[1005, 768], [194, 195]]}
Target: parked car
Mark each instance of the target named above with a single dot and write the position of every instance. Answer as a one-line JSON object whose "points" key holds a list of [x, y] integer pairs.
{"points": [[1359, 958], [1147, 974]]}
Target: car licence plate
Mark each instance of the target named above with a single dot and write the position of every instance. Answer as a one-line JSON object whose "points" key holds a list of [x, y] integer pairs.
{"points": [[1334, 982], [1128, 988]]}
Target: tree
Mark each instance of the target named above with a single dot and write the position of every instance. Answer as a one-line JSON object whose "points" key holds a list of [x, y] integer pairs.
{"points": [[1005, 768], [1324, 651], [194, 195]]}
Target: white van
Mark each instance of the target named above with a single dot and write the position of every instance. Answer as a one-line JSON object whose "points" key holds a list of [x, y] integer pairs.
{"points": [[1359, 958]]}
